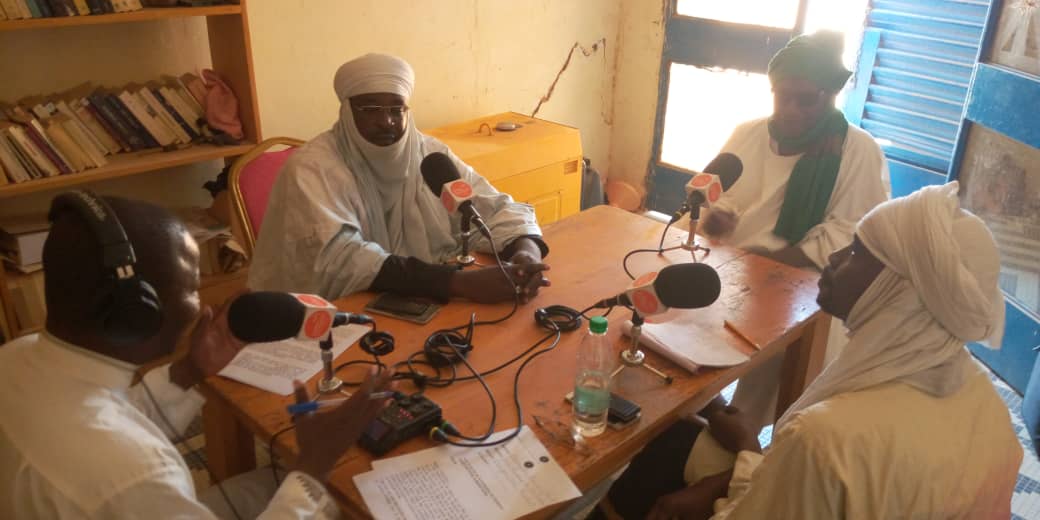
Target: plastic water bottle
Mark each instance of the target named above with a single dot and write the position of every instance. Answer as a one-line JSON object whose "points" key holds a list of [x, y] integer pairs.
{"points": [[592, 383]]}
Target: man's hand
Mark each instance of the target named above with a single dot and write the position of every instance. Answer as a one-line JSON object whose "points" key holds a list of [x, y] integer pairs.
{"points": [[528, 253], [719, 224], [212, 347], [324, 436], [694, 502], [732, 429], [488, 285]]}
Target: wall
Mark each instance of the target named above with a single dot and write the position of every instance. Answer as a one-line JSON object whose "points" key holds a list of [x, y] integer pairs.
{"points": [[40, 62], [635, 95], [471, 58]]}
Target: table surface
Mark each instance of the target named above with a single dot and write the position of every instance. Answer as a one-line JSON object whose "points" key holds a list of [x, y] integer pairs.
{"points": [[772, 304]]}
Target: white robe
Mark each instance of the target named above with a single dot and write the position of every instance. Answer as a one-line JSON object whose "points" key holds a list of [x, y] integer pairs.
{"points": [[318, 236], [890, 451], [759, 194], [862, 184]]}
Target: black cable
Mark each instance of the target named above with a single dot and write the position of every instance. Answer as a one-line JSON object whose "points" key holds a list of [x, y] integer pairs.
{"points": [[272, 456], [624, 262], [177, 439]]}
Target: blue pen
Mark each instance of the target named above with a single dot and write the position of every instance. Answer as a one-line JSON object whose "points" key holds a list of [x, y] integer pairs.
{"points": [[310, 406]]}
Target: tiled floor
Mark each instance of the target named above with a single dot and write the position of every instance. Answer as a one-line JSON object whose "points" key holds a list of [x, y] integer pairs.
{"points": [[1025, 504]]}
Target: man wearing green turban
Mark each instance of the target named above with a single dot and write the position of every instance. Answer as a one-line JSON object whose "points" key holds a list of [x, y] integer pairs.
{"points": [[808, 177]]}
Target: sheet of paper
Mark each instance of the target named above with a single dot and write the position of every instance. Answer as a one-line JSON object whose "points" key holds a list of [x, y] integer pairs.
{"points": [[689, 343], [273, 366], [491, 483]]}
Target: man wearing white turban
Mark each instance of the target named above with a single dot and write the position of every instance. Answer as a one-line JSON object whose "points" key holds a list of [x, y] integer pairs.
{"points": [[350, 211], [904, 423]]}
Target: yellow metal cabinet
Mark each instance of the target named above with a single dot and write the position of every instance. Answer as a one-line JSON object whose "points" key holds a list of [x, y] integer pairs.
{"points": [[538, 163]]}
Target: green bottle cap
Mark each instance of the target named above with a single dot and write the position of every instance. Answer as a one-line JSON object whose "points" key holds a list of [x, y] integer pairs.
{"points": [[598, 324]]}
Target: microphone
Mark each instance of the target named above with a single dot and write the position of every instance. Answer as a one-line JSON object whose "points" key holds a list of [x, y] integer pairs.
{"points": [[680, 286], [443, 179], [263, 316], [704, 189]]}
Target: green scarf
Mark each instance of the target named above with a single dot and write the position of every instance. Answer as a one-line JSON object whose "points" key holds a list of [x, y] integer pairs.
{"points": [[814, 175]]}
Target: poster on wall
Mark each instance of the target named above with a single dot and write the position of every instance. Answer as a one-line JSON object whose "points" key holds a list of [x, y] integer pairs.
{"points": [[1000, 179]]}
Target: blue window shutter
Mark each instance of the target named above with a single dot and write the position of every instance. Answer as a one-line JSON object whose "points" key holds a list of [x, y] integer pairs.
{"points": [[912, 80]]}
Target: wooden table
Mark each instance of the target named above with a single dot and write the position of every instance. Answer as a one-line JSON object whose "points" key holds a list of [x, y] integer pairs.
{"points": [[773, 304]]}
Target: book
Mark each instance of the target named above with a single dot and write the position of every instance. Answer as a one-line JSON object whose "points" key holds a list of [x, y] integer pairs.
{"points": [[194, 86], [34, 129], [189, 128], [190, 111], [107, 6], [95, 144], [131, 120], [148, 118], [84, 105], [76, 157], [81, 137], [34, 8], [99, 101], [146, 95], [95, 7], [16, 171], [34, 171], [3, 14], [60, 8], [176, 85], [81, 7], [15, 9], [22, 238], [20, 137]]}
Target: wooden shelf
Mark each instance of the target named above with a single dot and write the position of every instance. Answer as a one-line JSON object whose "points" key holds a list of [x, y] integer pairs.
{"points": [[152, 13], [122, 165]]}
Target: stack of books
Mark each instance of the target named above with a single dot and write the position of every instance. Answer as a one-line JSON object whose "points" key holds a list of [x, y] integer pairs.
{"points": [[80, 129], [21, 246], [20, 9]]}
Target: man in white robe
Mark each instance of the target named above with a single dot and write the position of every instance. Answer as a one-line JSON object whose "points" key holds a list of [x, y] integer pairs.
{"points": [[904, 423], [80, 440], [350, 211], [808, 178]]}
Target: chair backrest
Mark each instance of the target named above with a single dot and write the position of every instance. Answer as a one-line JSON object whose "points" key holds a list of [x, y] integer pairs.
{"points": [[251, 178]]}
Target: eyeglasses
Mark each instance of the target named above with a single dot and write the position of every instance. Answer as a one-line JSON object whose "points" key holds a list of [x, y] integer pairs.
{"points": [[390, 110], [802, 99]]}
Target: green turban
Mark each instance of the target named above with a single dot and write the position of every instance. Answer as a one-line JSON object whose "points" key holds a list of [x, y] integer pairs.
{"points": [[815, 57]]}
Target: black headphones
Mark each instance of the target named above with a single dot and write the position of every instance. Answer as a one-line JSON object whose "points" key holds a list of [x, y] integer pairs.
{"points": [[126, 307]]}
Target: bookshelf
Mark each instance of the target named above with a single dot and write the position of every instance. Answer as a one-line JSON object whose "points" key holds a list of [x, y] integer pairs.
{"points": [[231, 55], [147, 14]]}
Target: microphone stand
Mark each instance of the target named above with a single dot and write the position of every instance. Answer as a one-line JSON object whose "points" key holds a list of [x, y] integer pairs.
{"points": [[465, 258], [633, 357], [690, 244], [329, 383]]}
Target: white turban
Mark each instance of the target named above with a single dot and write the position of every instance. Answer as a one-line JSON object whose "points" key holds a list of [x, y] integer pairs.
{"points": [[938, 291], [374, 73], [403, 215], [948, 255]]}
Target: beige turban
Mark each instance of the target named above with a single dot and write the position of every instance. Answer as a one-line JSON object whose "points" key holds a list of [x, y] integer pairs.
{"points": [[938, 291], [374, 73], [948, 255]]}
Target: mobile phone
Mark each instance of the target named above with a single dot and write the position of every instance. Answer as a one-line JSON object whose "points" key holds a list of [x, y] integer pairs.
{"points": [[402, 307], [621, 413]]}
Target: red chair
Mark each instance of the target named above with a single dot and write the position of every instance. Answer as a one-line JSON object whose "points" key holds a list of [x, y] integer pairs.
{"points": [[251, 178]]}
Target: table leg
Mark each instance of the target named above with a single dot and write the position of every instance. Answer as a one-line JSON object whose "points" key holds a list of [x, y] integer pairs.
{"points": [[229, 446], [803, 361]]}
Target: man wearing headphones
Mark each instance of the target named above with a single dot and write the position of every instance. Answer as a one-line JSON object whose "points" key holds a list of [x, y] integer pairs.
{"points": [[78, 439]]}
